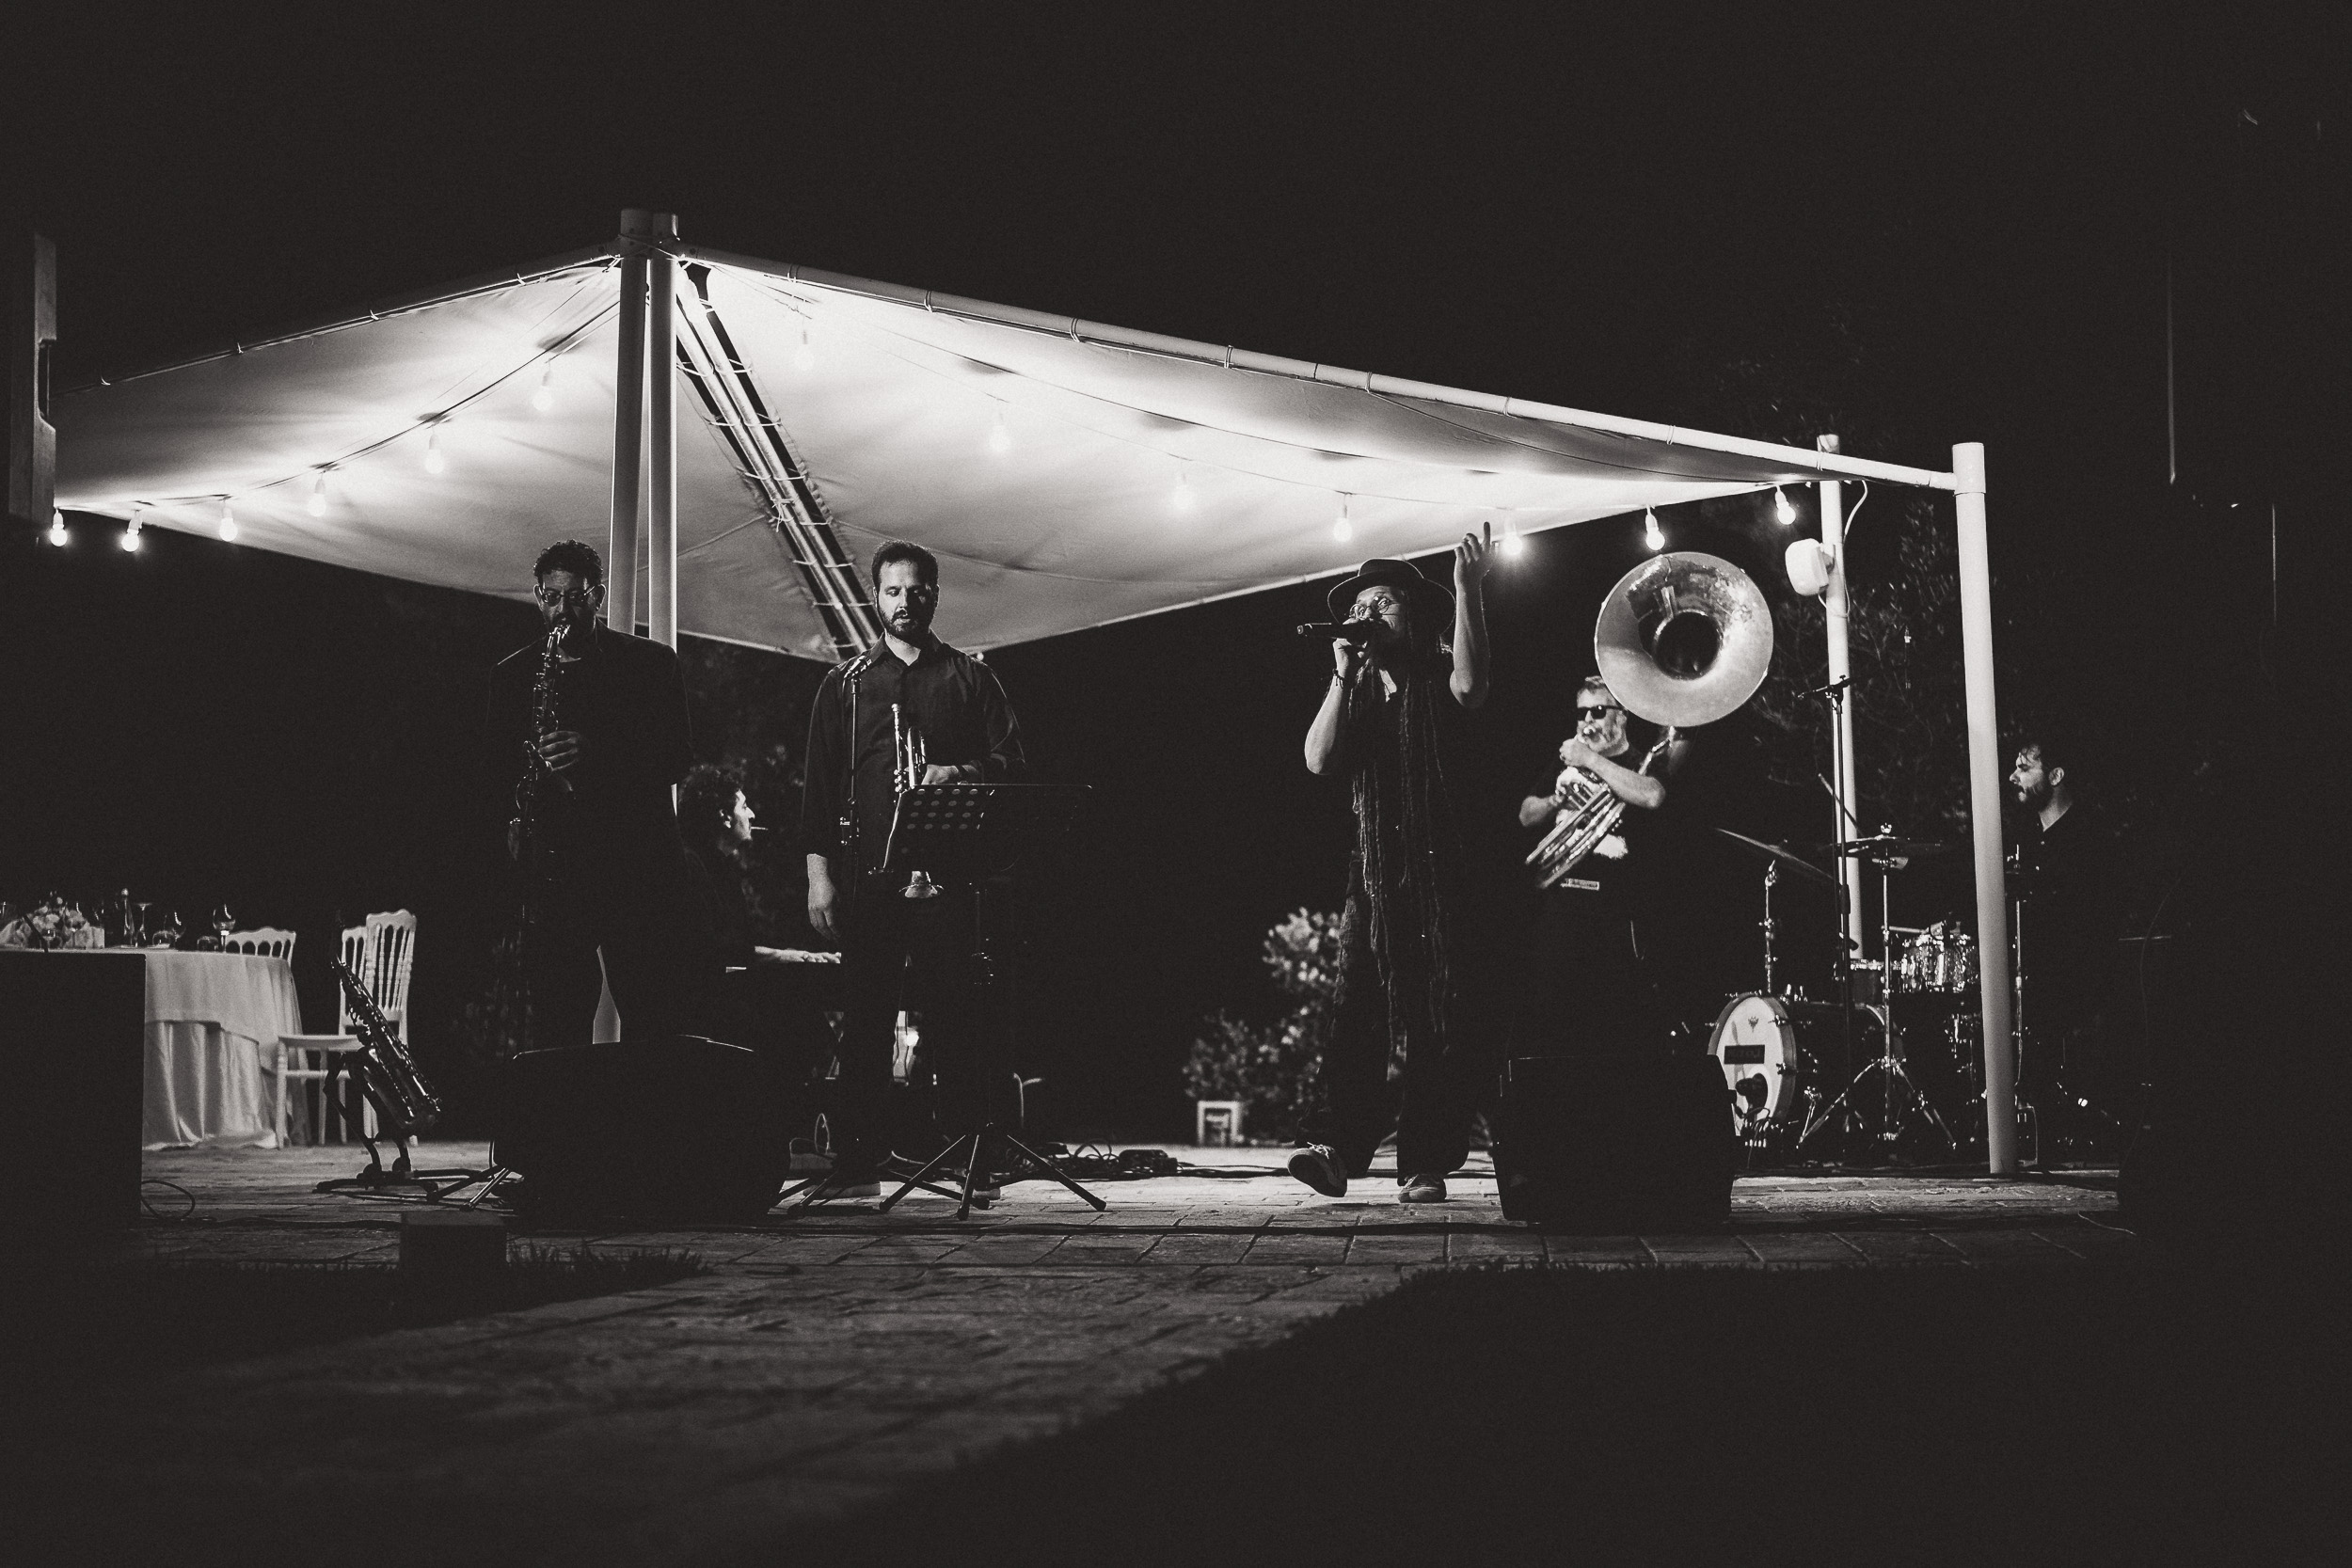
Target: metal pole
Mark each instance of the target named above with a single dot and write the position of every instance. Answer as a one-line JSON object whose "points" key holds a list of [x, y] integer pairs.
{"points": [[1984, 811], [662, 420], [1846, 782], [629, 432]]}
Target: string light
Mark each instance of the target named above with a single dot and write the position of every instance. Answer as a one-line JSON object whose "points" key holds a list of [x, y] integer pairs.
{"points": [[544, 398], [1341, 529], [1783, 508], [1652, 535], [131, 535], [316, 506], [1512, 546], [58, 535], [1000, 438], [434, 461], [228, 522]]}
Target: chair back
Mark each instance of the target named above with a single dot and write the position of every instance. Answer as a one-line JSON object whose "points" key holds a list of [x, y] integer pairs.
{"points": [[265, 941], [391, 958], [355, 955]]}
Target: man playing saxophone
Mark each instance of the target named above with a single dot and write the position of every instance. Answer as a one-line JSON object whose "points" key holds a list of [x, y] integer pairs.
{"points": [[909, 711], [1588, 988], [594, 721]]}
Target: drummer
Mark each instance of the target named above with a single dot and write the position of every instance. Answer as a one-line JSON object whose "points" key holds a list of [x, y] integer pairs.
{"points": [[2065, 885]]}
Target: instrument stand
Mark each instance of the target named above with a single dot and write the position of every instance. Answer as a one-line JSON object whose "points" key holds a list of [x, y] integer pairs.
{"points": [[890, 1170], [971, 832], [1901, 1100], [975, 1146], [374, 1178]]}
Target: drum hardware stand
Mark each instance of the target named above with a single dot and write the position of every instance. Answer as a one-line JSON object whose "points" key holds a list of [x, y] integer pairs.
{"points": [[1900, 1099]]}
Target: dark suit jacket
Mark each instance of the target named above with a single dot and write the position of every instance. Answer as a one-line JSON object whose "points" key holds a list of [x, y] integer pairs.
{"points": [[626, 697]]}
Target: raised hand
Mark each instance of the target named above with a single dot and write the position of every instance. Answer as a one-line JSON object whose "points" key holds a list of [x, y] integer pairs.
{"points": [[1472, 558]]}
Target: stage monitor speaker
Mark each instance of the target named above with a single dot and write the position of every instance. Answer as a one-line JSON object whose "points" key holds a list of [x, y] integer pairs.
{"points": [[674, 1128], [1616, 1144], [29, 274], [73, 1041]]}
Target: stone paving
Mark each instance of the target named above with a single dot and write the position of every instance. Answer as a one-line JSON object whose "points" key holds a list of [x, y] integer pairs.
{"points": [[835, 1355]]}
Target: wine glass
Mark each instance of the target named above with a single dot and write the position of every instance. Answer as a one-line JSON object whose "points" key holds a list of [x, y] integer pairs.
{"points": [[223, 923], [143, 923]]}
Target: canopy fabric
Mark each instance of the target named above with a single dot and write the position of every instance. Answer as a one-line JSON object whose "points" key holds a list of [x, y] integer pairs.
{"points": [[1063, 481]]}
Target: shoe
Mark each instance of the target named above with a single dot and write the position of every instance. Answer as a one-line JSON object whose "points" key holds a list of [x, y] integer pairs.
{"points": [[1318, 1166], [829, 1188], [1421, 1189]]}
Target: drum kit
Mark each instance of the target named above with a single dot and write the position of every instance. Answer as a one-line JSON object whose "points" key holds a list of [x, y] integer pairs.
{"points": [[1821, 1079]]}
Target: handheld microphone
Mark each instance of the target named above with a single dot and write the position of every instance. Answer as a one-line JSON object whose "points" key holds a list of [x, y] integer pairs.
{"points": [[1340, 631]]}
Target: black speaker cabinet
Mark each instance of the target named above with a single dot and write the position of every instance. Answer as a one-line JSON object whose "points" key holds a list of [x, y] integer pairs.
{"points": [[28, 463], [72, 1031], [678, 1129], [1616, 1144]]}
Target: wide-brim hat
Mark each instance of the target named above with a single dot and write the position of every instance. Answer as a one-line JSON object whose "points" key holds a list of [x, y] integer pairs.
{"points": [[1379, 571]]}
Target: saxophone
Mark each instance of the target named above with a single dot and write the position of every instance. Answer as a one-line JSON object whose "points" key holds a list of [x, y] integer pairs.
{"points": [[1589, 811], [404, 1102], [539, 783]]}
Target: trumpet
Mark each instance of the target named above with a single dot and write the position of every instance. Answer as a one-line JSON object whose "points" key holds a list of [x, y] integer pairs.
{"points": [[907, 766]]}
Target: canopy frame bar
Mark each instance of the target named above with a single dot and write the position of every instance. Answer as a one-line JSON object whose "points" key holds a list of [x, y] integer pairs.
{"points": [[1800, 462]]}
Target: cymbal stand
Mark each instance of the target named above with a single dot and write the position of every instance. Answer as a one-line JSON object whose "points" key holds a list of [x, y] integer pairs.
{"points": [[1899, 1099], [1771, 875]]}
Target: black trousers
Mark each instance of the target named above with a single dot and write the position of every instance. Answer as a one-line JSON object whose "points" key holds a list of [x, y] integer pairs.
{"points": [[655, 943], [1589, 988], [1428, 1103], [916, 955]]}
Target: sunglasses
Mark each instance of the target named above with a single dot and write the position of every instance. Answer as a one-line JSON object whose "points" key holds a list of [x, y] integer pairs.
{"points": [[1584, 713]]}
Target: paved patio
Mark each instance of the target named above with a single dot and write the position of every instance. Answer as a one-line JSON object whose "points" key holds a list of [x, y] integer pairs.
{"points": [[834, 1356]]}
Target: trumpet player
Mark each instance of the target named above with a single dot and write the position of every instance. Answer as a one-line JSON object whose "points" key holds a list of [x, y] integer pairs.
{"points": [[910, 710], [1409, 656], [1588, 986]]}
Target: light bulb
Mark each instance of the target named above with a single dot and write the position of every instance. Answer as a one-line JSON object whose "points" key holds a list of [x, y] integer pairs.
{"points": [[803, 357], [57, 528], [1000, 438], [544, 398], [1182, 500], [228, 523], [1783, 508], [1341, 529], [131, 535], [1652, 535], [316, 506], [1512, 546], [434, 461]]}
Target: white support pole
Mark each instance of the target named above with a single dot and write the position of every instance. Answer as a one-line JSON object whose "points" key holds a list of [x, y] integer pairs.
{"points": [[629, 433], [1984, 812], [662, 420], [1846, 781]]}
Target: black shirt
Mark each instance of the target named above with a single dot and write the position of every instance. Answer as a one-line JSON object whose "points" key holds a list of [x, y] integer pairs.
{"points": [[626, 697], [952, 699], [1623, 858], [2066, 883]]}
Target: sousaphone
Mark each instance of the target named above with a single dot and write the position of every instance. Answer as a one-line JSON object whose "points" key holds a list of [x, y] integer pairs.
{"points": [[1683, 639]]}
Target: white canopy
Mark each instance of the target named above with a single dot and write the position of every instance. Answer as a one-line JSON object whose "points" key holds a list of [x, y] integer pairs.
{"points": [[1066, 474]]}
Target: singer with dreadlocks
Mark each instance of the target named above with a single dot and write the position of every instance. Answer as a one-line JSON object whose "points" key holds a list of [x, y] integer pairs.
{"points": [[1396, 691]]}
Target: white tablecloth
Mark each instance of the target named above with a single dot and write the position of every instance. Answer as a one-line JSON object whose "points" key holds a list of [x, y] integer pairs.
{"points": [[210, 1020]]}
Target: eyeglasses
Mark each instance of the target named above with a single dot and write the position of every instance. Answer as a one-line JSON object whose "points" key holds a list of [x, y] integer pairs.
{"points": [[1584, 713], [568, 596]]}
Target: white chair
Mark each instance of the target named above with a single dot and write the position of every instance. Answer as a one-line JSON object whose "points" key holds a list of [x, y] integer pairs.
{"points": [[381, 953], [262, 941]]}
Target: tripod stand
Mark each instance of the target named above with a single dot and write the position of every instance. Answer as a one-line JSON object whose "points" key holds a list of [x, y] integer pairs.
{"points": [[1900, 1101], [966, 832]]}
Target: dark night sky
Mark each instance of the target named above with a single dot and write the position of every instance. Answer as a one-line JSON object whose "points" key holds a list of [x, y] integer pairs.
{"points": [[1599, 206]]}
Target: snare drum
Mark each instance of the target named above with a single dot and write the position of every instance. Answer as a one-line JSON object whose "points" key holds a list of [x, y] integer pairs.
{"points": [[1765, 1064], [1940, 960]]}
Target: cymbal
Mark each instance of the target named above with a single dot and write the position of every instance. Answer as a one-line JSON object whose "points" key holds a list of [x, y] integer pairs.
{"points": [[1782, 855], [1888, 846]]}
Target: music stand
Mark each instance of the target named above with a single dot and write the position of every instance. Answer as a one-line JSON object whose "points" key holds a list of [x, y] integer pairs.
{"points": [[969, 832]]}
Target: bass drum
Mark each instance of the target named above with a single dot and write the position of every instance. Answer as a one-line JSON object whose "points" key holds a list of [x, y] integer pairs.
{"points": [[1765, 1065]]}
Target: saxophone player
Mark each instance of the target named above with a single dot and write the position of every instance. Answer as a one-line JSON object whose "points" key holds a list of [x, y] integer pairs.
{"points": [[909, 711], [1588, 986], [595, 721]]}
